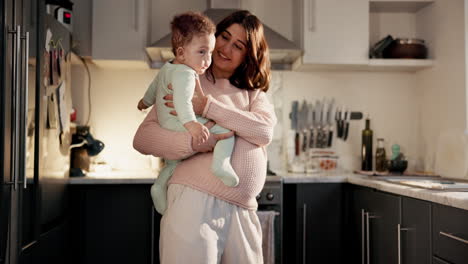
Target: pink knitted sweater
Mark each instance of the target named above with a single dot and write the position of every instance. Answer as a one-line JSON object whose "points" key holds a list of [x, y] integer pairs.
{"points": [[247, 113]]}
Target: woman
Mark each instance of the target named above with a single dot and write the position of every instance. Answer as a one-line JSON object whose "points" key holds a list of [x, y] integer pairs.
{"points": [[206, 221]]}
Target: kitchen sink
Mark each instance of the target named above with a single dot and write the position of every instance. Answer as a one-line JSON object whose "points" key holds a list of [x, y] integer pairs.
{"points": [[428, 182]]}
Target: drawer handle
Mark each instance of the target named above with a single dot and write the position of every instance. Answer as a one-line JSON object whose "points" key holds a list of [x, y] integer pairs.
{"points": [[454, 237]]}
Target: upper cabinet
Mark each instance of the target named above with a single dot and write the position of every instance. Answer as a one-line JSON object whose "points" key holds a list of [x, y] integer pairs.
{"points": [[334, 34], [111, 29], [335, 31], [338, 34]]}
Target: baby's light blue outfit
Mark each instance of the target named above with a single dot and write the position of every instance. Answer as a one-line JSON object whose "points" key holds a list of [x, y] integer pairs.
{"points": [[183, 80]]}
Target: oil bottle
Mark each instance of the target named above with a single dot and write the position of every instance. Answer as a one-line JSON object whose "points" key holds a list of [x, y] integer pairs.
{"points": [[366, 149]]}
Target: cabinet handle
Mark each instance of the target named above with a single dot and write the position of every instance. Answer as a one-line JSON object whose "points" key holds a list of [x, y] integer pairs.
{"points": [[311, 15], [18, 103], [15, 101], [25, 108], [367, 237], [363, 216], [304, 230], [399, 229], [152, 235], [135, 6], [464, 241]]}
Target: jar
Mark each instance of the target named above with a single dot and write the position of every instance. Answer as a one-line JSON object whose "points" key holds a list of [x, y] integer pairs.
{"points": [[380, 156]]}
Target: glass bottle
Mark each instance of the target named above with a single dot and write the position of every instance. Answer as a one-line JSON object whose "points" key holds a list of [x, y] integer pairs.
{"points": [[380, 157], [366, 150]]}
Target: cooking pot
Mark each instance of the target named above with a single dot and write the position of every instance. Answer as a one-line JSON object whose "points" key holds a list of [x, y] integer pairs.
{"points": [[406, 48]]}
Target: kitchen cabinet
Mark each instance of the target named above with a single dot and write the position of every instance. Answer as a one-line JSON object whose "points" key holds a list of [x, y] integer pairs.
{"points": [[402, 19], [52, 247], [436, 260], [387, 228], [114, 224], [450, 233], [313, 214], [118, 29], [375, 217], [337, 34], [334, 31], [415, 231]]}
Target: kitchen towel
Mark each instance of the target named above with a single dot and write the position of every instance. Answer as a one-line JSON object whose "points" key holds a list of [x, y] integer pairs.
{"points": [[267, 221]]}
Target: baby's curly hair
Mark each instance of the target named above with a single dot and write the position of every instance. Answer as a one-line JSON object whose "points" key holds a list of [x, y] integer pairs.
{"points": [[186, 25]]}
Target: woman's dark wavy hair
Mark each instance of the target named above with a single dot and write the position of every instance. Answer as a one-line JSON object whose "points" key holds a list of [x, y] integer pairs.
{"points": [[254, 72]]}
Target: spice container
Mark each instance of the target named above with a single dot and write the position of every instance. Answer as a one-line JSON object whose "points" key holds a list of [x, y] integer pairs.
{"points": [[380, 156]]}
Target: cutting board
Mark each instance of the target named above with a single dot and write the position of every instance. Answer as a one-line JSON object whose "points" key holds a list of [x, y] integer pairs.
{"points": [[451, 158]]}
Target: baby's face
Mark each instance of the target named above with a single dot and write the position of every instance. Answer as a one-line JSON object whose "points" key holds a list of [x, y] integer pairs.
{"points": [[197, 53]]}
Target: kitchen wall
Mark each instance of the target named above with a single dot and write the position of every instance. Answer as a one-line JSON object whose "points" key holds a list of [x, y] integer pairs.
{"points": [[441, 90], [415, 110], [389, 98], [115, 93]]}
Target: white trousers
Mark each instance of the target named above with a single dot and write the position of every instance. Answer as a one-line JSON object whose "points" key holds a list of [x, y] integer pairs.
{"points": [[200, 228]]}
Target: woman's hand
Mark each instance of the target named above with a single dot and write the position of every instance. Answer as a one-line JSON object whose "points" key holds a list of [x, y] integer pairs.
{"points": [[198, 100], [209, 145]]}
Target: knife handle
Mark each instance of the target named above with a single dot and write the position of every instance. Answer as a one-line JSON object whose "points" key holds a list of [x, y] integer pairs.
{"points": [[339, 128], [330, 138], [296, 144], [346, 128]]}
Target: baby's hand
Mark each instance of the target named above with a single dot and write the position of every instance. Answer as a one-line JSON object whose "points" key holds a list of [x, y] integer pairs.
{"points": [[141, 105], [199, 132]]}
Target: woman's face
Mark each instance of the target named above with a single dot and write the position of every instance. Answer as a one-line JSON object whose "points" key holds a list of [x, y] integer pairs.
{"points": [[229, 51]]}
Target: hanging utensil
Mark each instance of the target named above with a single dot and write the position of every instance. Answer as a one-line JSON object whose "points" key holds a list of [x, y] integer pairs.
{"points": [[347, 117], [294, 125], [318, 123], [311, 118], [303, 117], [339, 122], [322, 140], [330, 122]]}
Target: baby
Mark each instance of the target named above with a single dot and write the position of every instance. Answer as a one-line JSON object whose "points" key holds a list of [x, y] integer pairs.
{"points": [[193, 42]]}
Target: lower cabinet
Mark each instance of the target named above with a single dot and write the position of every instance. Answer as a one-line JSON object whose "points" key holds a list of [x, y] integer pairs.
{"points": [[376, 216], [52, 247], [450, 234], [313, 223], [114, 224], [415, 231], [436, 260], [387, 228]]}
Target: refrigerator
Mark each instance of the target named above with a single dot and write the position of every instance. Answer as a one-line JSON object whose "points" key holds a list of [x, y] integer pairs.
{"points": [[35, 106]]}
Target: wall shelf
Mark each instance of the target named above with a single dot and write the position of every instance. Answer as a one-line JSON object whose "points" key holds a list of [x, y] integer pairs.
{"points": [[400, 6], [373, 65], [409, 65]]}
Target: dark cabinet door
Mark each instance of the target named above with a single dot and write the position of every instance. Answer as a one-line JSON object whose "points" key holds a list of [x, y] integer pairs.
{"points": [[358, 200], [436, 260], [450, 233], [114, 224], [374, 220], [383, 219], [415, 231], [316, 222]]}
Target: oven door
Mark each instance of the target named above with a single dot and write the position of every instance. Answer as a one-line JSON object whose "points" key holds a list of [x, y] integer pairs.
{"points": [[270, 215]]}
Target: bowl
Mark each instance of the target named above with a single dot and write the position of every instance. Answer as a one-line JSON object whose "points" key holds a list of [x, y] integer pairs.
{"points": [[397, 166], [406, 49]]}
